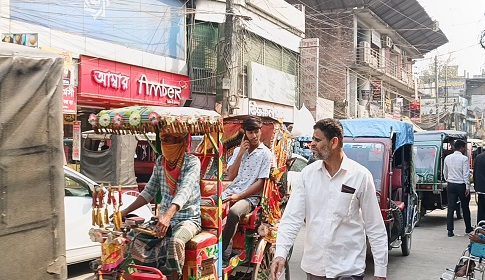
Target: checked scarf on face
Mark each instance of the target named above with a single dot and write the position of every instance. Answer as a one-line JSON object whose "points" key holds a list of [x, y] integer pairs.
{"points": [[173, 158]]}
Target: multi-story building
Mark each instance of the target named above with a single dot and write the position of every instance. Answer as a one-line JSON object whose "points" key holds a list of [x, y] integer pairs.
{"points": [[116, 53], [367, 51], [266, 56]]}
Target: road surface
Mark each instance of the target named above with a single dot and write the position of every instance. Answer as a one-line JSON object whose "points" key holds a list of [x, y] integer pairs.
{"points": [[432, 251]]}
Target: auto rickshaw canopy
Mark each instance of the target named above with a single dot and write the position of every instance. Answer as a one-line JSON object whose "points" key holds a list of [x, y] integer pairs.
{"points": [[380, 128]]}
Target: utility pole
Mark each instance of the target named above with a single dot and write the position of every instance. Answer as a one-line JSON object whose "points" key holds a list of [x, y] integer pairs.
{"points": [[229, 58], [436, 89]]}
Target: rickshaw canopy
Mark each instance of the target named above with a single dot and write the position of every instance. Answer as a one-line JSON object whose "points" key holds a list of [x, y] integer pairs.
{"points": [[144, 119], [379, 128], [438, 135]]}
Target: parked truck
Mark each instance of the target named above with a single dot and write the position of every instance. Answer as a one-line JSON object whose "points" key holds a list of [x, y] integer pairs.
{"points": [[32, 239]]}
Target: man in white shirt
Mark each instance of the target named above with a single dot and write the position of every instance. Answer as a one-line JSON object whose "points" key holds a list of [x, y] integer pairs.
{"points": [[337, 197], [457, 174]]}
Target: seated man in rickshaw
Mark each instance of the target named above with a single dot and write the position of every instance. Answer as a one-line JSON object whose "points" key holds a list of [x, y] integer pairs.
{"points": [[248, 168], [176, 176]]}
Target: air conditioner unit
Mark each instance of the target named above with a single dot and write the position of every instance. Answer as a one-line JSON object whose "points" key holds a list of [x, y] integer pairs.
{"points": [[365, 53], [387, 41]]}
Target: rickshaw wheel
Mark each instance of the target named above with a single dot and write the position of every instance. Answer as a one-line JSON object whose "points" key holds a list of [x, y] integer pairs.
{"points": [[406, 244], [262, 270]]}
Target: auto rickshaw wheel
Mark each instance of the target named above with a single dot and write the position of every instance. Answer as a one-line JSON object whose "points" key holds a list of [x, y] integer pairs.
{"points": [[422, 212], [406, 244], [262, 270], [398, 225]]}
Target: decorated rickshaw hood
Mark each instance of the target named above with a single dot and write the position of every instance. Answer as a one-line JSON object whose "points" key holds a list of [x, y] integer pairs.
{"points": [[143, 119], [379, 128]]}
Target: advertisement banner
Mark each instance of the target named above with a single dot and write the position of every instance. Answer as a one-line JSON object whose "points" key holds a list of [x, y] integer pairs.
{"points": [[275, 111], [396, 112], [376, 90], [76, 141], [69, 100], [153, 26], [415, 110], [268, 84], [110, 80], [25, 39], [68, 65], [310, 60]]}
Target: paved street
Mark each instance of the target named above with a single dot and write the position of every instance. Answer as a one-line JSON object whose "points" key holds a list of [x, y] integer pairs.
{"points": [[432, 251]]}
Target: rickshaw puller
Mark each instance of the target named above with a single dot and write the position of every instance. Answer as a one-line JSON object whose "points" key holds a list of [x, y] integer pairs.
{"points": [[249, 166], [177, 176]]}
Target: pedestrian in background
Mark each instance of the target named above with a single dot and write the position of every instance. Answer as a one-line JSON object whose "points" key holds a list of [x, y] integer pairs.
{"points": [[337, 198], [456, 171], [479, 184]]}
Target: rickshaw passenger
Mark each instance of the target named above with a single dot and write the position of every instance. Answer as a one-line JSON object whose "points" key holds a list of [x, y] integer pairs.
{"points": [[177, 176], [248, 168]]}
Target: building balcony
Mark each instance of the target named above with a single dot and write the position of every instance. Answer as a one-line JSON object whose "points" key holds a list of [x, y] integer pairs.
{"points": [[370, 61]]}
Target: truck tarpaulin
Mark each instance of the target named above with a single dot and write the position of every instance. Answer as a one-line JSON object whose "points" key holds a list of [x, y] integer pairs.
{"points": [[32, 238]]}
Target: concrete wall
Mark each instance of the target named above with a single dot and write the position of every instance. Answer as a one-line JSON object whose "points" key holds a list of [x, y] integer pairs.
{"points": [[336, 33], [274, 20]]}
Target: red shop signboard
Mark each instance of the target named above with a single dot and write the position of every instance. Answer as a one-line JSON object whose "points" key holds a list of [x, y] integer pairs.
{"points": [[107, 80]]}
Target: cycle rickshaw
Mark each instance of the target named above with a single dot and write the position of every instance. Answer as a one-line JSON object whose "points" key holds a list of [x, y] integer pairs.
{"points": [[203, 258]]}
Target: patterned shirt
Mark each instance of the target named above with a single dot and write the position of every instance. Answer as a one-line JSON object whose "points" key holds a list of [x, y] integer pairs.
{"points": [[187, 195], [253, 166]]}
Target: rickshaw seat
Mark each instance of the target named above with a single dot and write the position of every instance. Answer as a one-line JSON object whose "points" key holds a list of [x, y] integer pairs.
{"points": [[201, 240], [208, 213], [209, 187], [249, 220]]}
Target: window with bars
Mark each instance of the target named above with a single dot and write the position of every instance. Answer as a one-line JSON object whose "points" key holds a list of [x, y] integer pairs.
{"points": [[204, 40]]}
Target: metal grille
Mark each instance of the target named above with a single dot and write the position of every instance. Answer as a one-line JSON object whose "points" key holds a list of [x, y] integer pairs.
{"points": [[273, 55], [203, 57], [204, 42], [203, 80]]}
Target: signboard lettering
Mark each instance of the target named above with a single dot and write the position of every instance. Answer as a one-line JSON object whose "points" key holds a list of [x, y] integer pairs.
{"points": [[113, 80], [158, 89], [69, 100], [76, 141], [272, 110], [101, 79], [309, 53]]}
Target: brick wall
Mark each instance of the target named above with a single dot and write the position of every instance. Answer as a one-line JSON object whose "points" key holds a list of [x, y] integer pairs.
{"points": [[336, 53]]}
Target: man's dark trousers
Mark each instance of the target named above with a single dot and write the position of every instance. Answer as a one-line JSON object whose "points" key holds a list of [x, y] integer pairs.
{"points": [[481, 208], [456, 191]]}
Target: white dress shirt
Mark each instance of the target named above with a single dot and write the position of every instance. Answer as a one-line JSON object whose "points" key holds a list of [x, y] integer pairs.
{"points": [[456, 169], [337, 221]]}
